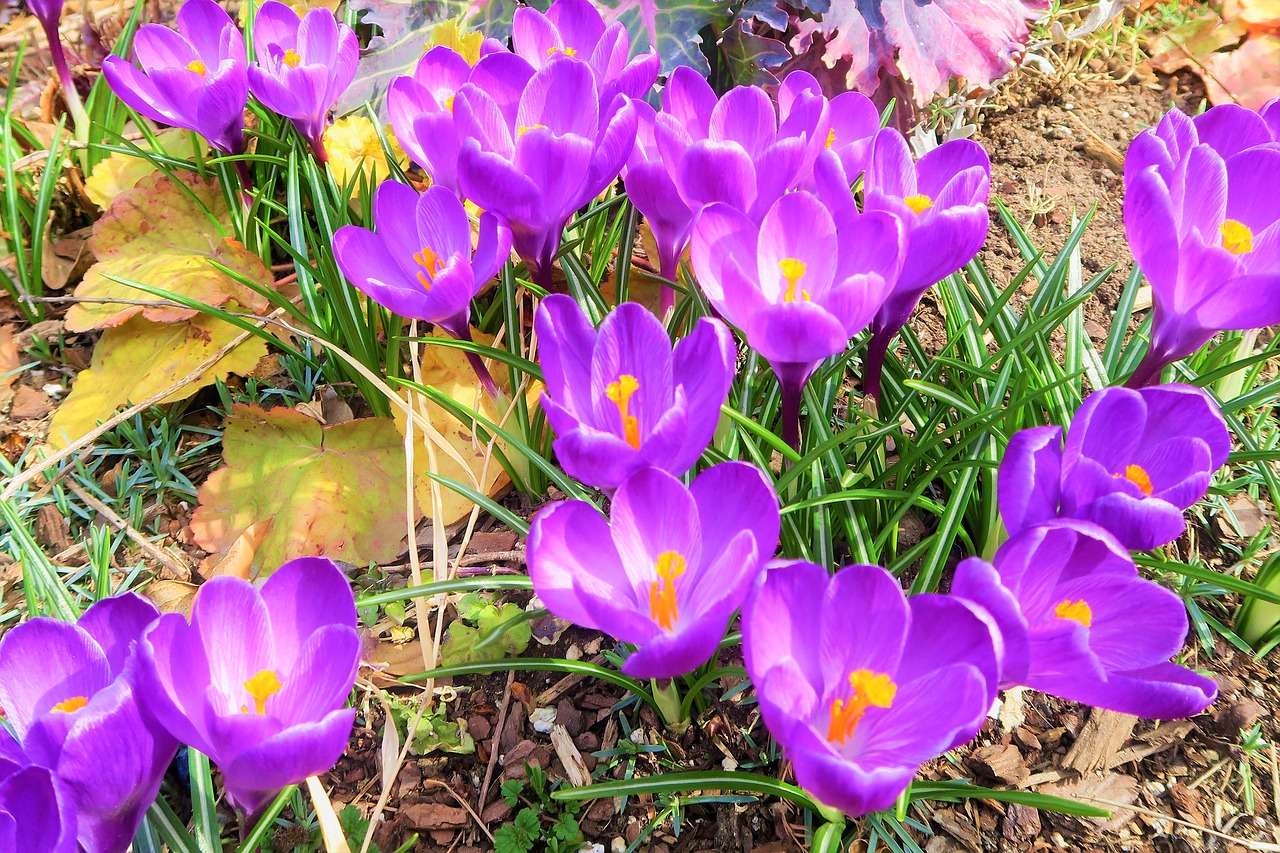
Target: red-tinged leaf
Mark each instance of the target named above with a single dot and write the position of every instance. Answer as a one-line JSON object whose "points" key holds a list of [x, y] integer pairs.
{"points": [[924, 41], [672, 26], [1248, 75]]}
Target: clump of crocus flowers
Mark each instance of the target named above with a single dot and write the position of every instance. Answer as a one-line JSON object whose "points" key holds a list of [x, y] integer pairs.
{"points": [[257, 681]]}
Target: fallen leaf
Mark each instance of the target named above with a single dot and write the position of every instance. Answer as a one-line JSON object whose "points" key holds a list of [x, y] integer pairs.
{"points": [[1190, 43], [157, 234], [122, 171], [140, 358], [1260, 16], [30, 404], [447, 369], [335, 491], [171, 596], [66, 259], [1248, 76], [10, 361]]}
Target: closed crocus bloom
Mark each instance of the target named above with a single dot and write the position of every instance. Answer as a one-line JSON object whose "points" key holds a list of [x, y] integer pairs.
{"points": [[258, 679], [575, 28], [421, 104], [852, 124], [71, 695], [942, 202], [795, 284], [303, 66], [1083, 625], [196, 78], [1133, 461], [420, 263], [36, 814], [620, 399], [561, 148], [1202, 229], [736, 151], [654, 194], [668, 569], [860, 685]]}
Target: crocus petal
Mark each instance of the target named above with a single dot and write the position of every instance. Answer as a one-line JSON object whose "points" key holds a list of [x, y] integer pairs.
{"points": [[566, 340], [653, 513], [669, 654], [1165, 691], [116, 623], [232, 622], [977, 585], [1028, 481], [258, 773], [303, 596], [321, 676], [174, 677], [46, 662], [849, 786]]}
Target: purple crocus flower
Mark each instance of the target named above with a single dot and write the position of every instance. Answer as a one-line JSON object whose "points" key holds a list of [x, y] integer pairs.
{"points": [[1200, 230], [1133, 461], [860, 685], [49, 13], [853, 123], [621, 399], [71, 694], [303, 66], [258, 679], [1076, 620], [420, 263], [36, 813], [421, 104], [196, 78], [736, 151], [669, 568], [575, 28], [799, 284], [654, 194], [942, 203], [562, 147]]}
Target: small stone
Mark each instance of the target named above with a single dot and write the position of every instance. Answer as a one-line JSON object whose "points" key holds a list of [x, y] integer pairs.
{"points": [[729, 764], [543, 719], [574, 652], [618, 845]]}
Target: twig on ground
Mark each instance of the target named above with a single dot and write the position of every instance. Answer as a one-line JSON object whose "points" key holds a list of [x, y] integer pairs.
{"points": [[482, 800], [1261, 846], [182, 570]]}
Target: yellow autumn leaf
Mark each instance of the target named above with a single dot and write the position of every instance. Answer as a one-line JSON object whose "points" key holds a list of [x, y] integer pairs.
{"points": [[122, 170], [140, 358], [353, 146], [157, 234], [335, 492], [447, 369]]}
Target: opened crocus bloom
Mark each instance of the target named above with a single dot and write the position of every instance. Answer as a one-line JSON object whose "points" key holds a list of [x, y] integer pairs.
{"points": [[669, 568], [420, 263], [303, 66], [1075, 619], [421, 104], [1202, 229], [196, 78], [575, 28], [537, 159], [70, 692], [942, 203], [799, 284], [1133, 461], [621, 399], [257, 681], [860, 685]]}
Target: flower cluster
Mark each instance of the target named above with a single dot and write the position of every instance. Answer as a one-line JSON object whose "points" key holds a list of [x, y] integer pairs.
{"points": [[256, 681]]}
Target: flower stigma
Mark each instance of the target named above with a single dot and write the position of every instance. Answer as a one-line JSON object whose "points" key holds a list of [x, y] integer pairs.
{"points": [[1237, 238], [197, 66], [870, 690], [75, 703], [525, 128], [567, 51], [1137, 475], [1076, 611], [261, 687], [291, 58], [662, 592], [831, 137], [619, 393], [793, 270], [430, 263], [918, 203]]}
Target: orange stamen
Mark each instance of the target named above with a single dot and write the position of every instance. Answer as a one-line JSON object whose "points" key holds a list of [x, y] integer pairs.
{"points": [[793, 270], [918, 203], [662, 592], [619, 393], [1237, 238], [870, 690], [262, 687], [430, 263], [1137, 475], [1076, 611], [291, 58], [75, 703]]}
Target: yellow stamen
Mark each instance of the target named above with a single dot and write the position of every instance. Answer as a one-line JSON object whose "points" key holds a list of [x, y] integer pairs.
{"points": [[197, 66], [448, 103], [619, 393], [262, 687], [1236, 237], [831, 137], [291, 58], [1137, 475], [918, 203], [793, 270], [75, 703], [870, 690], [662, 593], [430, 263], [1076, 611], [528, 127], [567, 51]]}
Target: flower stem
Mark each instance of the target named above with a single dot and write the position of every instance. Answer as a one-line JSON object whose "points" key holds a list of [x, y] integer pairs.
{"points": [[79, 118], [791, 393], [670, 268], [667, 697], [873, 367], [1148, 371], [460, 328], [829, 838], [318, 149]]}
